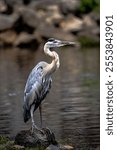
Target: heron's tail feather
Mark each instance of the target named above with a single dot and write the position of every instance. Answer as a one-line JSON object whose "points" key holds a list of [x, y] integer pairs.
{"points": [[26, 114]]}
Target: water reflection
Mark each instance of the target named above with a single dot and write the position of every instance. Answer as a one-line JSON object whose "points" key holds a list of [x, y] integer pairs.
{"points": [[71, 109]]}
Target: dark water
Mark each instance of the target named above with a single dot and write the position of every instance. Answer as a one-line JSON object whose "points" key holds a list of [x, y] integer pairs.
{"points": [[71, 110]]}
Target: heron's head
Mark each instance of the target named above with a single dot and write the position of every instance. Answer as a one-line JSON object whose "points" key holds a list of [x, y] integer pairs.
{"points": [[57, 43]]}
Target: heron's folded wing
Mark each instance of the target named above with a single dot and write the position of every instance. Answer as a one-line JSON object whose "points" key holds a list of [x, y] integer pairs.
{"points": [[33, 86]]}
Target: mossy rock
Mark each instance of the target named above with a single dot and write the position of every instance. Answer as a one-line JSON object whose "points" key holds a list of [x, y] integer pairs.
{"points": [[39, 138]]}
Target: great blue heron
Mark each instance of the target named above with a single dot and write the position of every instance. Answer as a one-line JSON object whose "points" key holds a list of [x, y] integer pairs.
{"points": [[39, 81]]}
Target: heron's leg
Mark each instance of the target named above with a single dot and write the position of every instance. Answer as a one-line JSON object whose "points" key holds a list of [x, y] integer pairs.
{"points": [[40, 110], [33, 122]]}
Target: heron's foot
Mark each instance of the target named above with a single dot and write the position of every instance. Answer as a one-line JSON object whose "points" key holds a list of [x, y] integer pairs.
{"points": [[35, 127]]}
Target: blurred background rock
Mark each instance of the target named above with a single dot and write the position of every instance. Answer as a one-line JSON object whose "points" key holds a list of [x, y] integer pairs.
{"points": [[27, 23]]}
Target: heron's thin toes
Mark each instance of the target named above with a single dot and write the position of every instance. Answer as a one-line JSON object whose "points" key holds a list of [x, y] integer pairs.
{"points": [[35, 127]]}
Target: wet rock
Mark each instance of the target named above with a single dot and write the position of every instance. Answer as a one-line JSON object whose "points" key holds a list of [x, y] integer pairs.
{"points": [[3, 6], [90, 32], [39, 138], [90, 28], [26, 40], [14, 2], [29, 16], [54, 15], [59, 147], [68, 6], [37, 20], [66, 147], [71, 24], [96, 17], [39, 4], [7, 21], [88, 21], [21, 26], [50, 14], [18, 147], [51, 31], [8, 37]]}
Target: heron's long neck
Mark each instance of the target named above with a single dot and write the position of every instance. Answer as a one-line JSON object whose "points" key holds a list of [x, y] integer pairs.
{"points": [[54, 65]]}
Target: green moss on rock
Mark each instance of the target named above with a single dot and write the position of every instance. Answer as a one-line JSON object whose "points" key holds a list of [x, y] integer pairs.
{"points": [[3, 140]]}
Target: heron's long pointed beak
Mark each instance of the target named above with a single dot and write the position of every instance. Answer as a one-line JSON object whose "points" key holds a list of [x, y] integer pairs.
{"points": [[62, 43]]}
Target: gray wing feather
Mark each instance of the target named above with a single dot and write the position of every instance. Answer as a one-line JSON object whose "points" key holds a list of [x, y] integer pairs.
{"points": [[36, 87]]}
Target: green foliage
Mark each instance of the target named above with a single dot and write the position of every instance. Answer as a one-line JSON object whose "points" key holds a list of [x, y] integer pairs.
{"points": [[88, 42], [87, 6], [3, 140], [6, 144]]}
